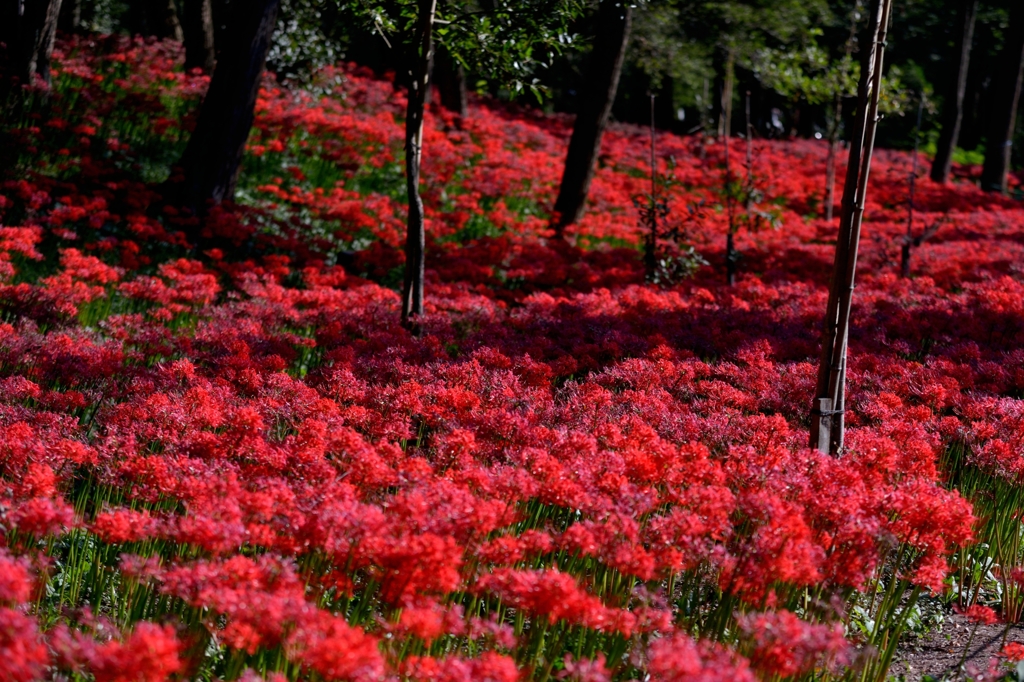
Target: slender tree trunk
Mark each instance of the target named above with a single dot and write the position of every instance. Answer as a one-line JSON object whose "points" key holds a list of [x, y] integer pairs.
{"points": [[731, 256], [651, 241], [213, 156], [748, 190], [163, 20], [837, 119], [136, 19], [830, 161], [953, 107], [47, 37], [728, 81], [198, 30], [978, 92], [908, 239], [222, 12], [827, 421], [157, 18], [70, 18], [1006, 89], [450, 81], [29, 29], [419, 86], [706, 108], [597, 94]]}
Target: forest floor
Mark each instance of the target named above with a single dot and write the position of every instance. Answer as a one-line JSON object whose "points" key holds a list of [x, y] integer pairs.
{"points": [[939, 653], [229, 460]]}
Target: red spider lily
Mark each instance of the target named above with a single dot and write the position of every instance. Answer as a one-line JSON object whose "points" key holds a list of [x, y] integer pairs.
{"points": [[784, 646], [23, 656]]}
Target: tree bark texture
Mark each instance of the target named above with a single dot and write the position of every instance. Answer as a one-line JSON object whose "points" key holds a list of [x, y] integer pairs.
{"points": [[222, 12], [420, 60], [165, 20], [1006, 95], [213, 156], [830, 160], [827, 422], [70, 18], [836, 124], [198, 30], [728, 81], [29, 30], [158, 18], [953, 107], [450, 82], [597, 94]]}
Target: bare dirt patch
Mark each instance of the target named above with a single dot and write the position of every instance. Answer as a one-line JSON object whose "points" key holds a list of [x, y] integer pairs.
{"points": [[937, 654]]}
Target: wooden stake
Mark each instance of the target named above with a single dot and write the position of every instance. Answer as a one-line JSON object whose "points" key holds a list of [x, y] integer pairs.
{"points": [[831, 383]]}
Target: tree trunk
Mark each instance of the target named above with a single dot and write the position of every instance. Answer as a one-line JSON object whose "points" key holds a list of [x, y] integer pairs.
{"points": [[450, 81], [222, 12], [163, 20], [827, 421], [198, 30], [978, 91], [830, 161], [830, 176], [597, 94], [837, 118], [953, 107], [728, 80], [420, 58], [908, 239], [43, 53], [157, 18], [136, 19], [732, 258], [213, 156], [70, 18], [1006, 90], [29, 29]]}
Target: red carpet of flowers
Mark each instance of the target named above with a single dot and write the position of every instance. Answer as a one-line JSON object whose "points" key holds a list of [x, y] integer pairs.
{"points": [[233, 463]]}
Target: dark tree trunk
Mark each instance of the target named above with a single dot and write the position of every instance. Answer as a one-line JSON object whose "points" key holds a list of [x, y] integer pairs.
{"points": [[978, 92], [833, 152], [953, 107], [1006, 94], [157, 18], [198, 30], [70, 17], [164, 20], [728, 83], [221, 11], [420, 60], [450, 81], [10, 23], [47, 36], [29, 30], [597, 94], [213, 156], [136, 19]]}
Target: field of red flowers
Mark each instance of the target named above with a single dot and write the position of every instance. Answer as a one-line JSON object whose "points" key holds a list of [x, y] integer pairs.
{"points": [[234, 463]]}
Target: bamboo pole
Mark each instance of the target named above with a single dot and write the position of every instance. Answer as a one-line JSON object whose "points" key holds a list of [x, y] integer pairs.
{"points": [[827, 421]]}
